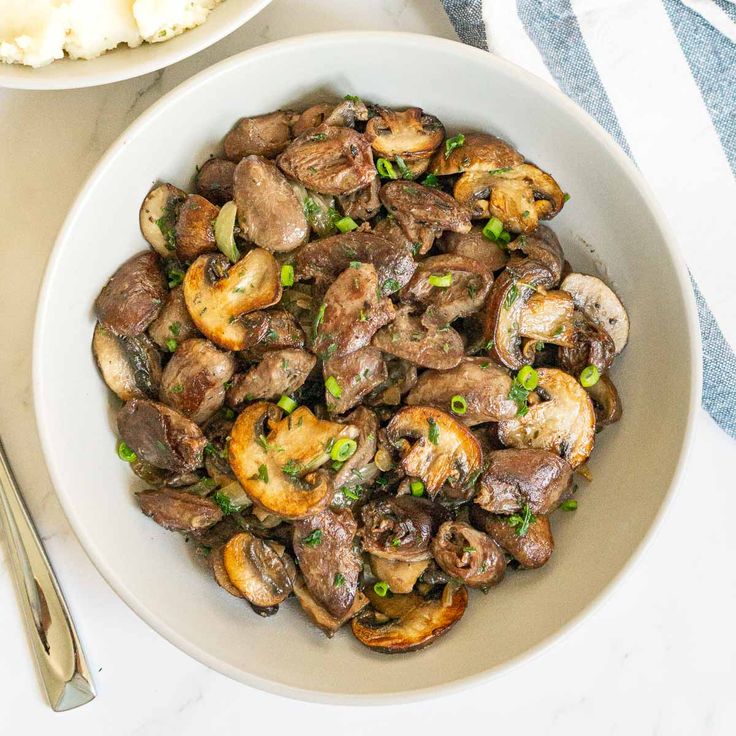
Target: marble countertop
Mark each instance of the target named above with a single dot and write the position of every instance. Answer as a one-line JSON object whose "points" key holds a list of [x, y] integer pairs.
{"points": [[658, 656]]}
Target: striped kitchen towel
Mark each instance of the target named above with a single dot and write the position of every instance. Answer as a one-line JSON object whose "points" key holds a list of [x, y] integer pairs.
{"points": [[660, 76]]}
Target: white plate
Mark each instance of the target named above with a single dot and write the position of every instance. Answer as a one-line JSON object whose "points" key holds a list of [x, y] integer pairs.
{"points": [[125, 63], [635, 467]]}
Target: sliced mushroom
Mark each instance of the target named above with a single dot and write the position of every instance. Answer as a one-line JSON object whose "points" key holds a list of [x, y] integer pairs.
{"points": [[161, 436], [269, 330], [424, 213], [606, 402], [269, 212], [409, 134], [562, 422], [591, 345], [401, 378], [483, 385], [356, 469], [133, 296], [531, 550], [312, 117], [543, 246], [424, 621], [390, 229], [276, 465], [216, 295], [444, 451], [466, 554], [599, 303], [363, 204], [475, 245], [257, 570], [261, 135], [352, 312], [478, 152], [356, 375], [328, 560], [195, 228], [346, 113], [399, 575], [429, 347], [130, 366], [513, 479], [329, 160], [194, 379], [279, 372], [319, 616], [216, 560], [548, 317], [470, 284], [215, 180], [179, 511], [158, 215], [173, 321]]}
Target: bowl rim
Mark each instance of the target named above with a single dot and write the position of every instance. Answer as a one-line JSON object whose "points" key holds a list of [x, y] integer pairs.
{"points": [[417, 42], [35, 79]]}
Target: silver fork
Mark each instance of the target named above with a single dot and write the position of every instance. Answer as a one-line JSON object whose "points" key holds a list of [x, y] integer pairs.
{"points": [[54, 640]]}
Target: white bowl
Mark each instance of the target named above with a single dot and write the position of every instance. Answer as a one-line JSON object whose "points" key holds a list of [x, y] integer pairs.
{"points": [[124, 63], [611, 225]]}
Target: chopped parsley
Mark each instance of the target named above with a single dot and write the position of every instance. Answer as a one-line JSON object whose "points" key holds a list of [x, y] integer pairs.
{"points": [[175, 328], [225, 503], [263, 473], [292, 468], [390, 285], [313, 539], [339, 580], [511, 296], [318, 319], [177, 388], [403, 168], [519, 395], [521, 521], [395, 542], [431, 181], [452, 143], [499, 171], [434, 431]]}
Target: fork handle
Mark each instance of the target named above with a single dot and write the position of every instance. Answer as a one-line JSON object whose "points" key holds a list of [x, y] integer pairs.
{"points": [[54, 640]]}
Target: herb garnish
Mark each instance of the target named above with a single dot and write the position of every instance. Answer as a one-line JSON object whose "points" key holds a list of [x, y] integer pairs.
{"points": [[521, 522], [434, 431]]}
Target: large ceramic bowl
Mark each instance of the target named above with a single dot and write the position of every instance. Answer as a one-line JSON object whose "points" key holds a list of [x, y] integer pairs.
{"points": [[125, 63], [611, 226]]}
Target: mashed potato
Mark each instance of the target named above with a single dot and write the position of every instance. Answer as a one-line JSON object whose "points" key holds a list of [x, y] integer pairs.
{"points": [[36, 32]]}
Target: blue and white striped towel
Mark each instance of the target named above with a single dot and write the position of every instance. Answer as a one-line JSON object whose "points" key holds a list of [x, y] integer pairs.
{"points": [[660, 76]]}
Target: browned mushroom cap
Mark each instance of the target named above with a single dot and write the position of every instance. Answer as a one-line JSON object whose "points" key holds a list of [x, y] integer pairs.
{"points": [[471, 282], [591, 345], [195, 228], [328, 560], [342, 115], [216, 295], [562, 422], [319, 616], [269, 330], [517, 478], [130, 366], [409, 134], [262, 135], [325, 259], [606, 402], [257, 570], [352, 312], [531, 549], [444, 452], [363, 204], [599, 303], [179, 511], [543, 246], [401, 378], [356, 375], [269, 212], [423, 212], [400, 527], [133, 296], [193, 380], [424, 620], [329, 160], [216, 560], [214, 180], [399, 575], [509, 295], [276, 464], [357, 468], [469, 555], [479, 152], [429, 347], [158, 215], [312, 117], [173, 321], [484, 385], [475, 245], [549, 317], [279, 372], [161, 436]]}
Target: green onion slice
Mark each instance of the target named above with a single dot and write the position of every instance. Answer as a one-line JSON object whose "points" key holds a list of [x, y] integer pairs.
{"points": [[343, 449], [452, 143], [380, 588], [386, 169], [528, 377], [417, 488], [589, 376], [287, 275], [287, 404], [225, 231], [569, 505], [443, 280], [493, 228], [126, 454], [346, 224], [171, 345], [333, 387], [458, 404]]}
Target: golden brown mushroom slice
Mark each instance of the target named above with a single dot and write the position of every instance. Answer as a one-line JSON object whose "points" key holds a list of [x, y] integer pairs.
{"points": [[478, 152], [399, 575], [319, 616], [409, 134], [542, 245], [563, 421], [419, 626], [549, 317], [591, 345], [216, 295], [158, 214], [445, 451], [277, 464]]}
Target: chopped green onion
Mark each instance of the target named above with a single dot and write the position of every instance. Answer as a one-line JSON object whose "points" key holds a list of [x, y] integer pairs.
{"points": [[589, 376], [171, 344], [386, 169], [351, 493], [434, 431], [504, 237], [431, 180], [528, 377], [126, 454], [263, 473], [176, 276], [452, 143], [343, 449], [417, 488], [318, 319], [380, 588], [346, 224], [565, 197], [441, 280], [339, 580], [313, 539], [458, 404], [333, 387], [287, 275], [494, 172], [225, 231], [287, 404], [404, 170], [493, 228], [396, 542], [351, 98], [570, 505]]}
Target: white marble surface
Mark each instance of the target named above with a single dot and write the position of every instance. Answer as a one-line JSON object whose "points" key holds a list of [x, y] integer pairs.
{"points": [[658, 657]]}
